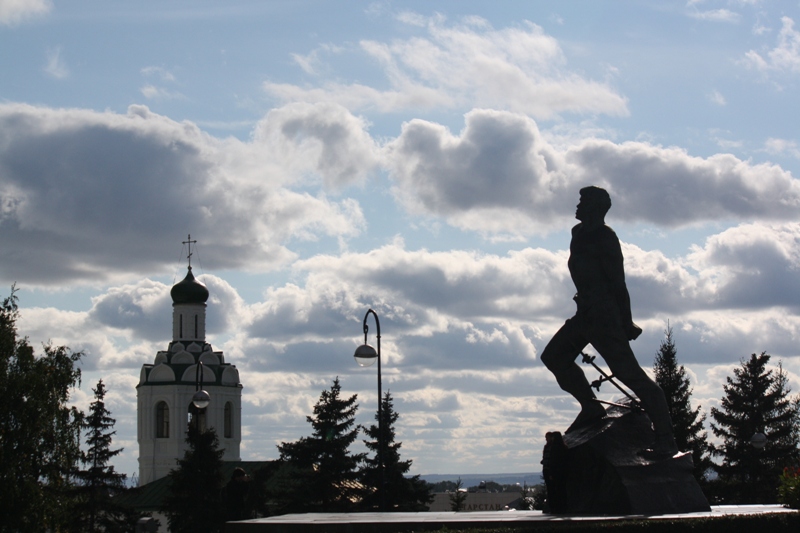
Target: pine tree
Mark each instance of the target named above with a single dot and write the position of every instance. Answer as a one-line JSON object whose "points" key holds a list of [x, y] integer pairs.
{"points": [[458, 498], [100, 484], [325, 473], [756, 401], [195, 502], [399, 492], [39, 433], [687, 423]]}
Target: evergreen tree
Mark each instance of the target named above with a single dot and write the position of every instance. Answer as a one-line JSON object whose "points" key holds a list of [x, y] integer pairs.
{"points": [[39, 433], [687, 423], [458, 498], [100, 484], [399, 492], [195, 501], [324, 472], [756, 401]]}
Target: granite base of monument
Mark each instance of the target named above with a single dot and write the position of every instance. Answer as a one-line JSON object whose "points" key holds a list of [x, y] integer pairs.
{"points": [[600, 470]]}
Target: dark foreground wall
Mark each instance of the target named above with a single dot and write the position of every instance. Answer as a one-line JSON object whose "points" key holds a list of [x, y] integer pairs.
{"points": [[770, 519]]}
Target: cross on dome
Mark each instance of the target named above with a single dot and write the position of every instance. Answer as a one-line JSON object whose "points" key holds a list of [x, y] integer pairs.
{"points": [[189, 241]]}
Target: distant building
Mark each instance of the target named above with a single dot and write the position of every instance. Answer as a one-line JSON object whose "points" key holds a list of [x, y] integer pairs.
{"points": [[478, 501], [166, 387]]}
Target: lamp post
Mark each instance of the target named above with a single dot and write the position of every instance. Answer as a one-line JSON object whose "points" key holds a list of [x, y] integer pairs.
{"points": [[365, 356], [201, 398]]}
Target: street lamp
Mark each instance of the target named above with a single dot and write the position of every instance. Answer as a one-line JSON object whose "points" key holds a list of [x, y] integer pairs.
{"points": [[201, 398], [365, 356], [758, 440]]}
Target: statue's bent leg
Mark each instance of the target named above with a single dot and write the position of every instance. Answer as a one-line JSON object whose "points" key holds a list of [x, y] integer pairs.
{"points": [[559, 357], [623, 365]]}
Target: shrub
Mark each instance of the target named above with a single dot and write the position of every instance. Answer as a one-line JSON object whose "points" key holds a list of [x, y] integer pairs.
{"points": [[789, 489]]}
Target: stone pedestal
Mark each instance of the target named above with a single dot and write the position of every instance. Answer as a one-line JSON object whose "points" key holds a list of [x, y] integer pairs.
{"points": [[601, 471]]}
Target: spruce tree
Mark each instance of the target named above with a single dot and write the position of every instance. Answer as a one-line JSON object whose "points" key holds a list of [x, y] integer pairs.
{"points": [[100, 484], [458, 498], [687, 422], [195, 501], [39, 432], [756, 401], [399, 493], [324, 473]]}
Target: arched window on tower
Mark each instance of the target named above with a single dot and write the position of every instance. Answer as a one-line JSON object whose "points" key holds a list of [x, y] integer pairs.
{"points": [[196, 336], [162, 420], [228, 420]]}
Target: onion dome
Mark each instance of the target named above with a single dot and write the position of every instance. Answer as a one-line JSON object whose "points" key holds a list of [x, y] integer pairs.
{"points": [[189, 291]]}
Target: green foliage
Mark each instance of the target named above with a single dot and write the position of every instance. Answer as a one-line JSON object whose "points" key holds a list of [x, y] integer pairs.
{"points": [[687, 422], [756, 401], [96, 508], [458, 497], [789, 489], [39, 432], [324, 474], [195, 502], [443, 486], [399, 492]]}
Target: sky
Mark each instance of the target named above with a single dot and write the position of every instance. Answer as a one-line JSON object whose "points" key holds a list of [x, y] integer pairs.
{"points": [[420, 158]]}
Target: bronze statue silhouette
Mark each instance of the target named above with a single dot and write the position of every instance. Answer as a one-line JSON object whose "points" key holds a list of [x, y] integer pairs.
{"points": [[603, 319]]}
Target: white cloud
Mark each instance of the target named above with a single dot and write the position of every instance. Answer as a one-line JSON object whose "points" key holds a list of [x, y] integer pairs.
{"points": [[55, 65], [782, 147], [15, 11], [715, 15], [718, 98], [160, 72], [752, 265], [460, 331], [90, 197], [785, 57], [323, 139], [470, 63], [152, 92], [499, 175]]}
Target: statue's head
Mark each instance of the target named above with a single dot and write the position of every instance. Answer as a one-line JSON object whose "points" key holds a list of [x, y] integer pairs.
{"points": [[594, 201]]}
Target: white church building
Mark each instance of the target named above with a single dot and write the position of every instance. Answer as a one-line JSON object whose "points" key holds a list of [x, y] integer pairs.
{"points": [[165, 389]]}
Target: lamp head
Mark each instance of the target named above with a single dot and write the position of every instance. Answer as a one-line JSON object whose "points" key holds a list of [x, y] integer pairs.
{"points": [[365, 355], [201, 399], [758, 440]]}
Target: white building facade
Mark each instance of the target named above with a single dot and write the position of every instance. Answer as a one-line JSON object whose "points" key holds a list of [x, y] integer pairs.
{"points": [[165, 389]]}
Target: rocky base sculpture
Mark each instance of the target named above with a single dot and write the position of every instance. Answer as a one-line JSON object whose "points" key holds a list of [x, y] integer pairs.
{"points": [[600, 470]]}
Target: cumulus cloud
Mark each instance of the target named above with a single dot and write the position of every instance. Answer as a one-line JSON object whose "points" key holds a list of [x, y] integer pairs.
{"points": [[468, 63], [89, 197], [500, 175], [323, 139], [668, 187], [15, 11], [752, 266], [460, 331]]}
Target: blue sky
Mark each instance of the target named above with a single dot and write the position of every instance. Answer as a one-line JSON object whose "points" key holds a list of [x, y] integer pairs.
{"points": [[420, 158]]}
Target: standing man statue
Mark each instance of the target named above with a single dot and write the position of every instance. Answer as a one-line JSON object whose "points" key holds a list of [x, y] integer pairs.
{"points": [[603, 319]]}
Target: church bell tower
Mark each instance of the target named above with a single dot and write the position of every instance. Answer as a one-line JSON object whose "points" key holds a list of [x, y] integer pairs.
{"points": [[166, 387]]}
